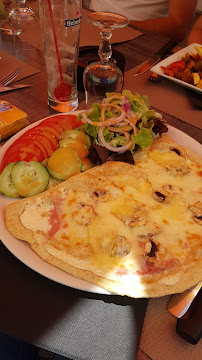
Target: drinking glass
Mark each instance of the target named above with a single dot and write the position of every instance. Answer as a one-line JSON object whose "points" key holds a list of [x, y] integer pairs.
{"points": [[25, 25], [60, 30], [5, 7], [104, 75]]}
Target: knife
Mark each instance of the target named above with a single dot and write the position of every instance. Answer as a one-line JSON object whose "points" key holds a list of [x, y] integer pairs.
{"points": [[164, 50], [12, 87]]}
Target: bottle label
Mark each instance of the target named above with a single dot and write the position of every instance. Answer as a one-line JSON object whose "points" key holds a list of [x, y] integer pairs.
{"points": [[72, 22]]}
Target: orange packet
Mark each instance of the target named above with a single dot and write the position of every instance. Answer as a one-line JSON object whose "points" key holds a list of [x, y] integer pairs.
{"points": [[12, 119]]}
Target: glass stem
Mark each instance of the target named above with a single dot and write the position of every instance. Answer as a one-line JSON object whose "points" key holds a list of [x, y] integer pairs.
{"points": [[105, 50], [20, 3]]}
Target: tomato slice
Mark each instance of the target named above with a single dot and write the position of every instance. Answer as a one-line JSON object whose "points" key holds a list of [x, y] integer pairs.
{"points": [[42, 147], [68, 122], [41, 141], [9, 159], [51, 137], [54, 131], [34, 137], [31, 134], [26, 145], [24, 156], [41, 130], [38, 133], [54, 125], [34, 150], [14, 157], [47, 144]]}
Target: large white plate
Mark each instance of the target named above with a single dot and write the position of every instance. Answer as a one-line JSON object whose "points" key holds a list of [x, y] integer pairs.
{"points": [[176, 57], [23, 251]]}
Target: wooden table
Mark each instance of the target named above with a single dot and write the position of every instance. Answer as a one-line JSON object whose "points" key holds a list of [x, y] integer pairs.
{"points": [[33, 100]]}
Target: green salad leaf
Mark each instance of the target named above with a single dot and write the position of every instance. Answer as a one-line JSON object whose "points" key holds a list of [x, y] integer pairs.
{"points": [[90, 130], [139, 104], [94, 115], [144, 138], [108, 135], [117, 141]]}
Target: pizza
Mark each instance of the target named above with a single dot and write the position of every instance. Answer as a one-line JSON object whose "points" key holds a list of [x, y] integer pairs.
{"points": [[133, 230]]}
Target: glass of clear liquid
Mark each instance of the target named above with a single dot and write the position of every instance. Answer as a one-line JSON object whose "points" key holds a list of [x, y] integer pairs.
{"points": [[25, 26], [5, 7], [104, 75]]}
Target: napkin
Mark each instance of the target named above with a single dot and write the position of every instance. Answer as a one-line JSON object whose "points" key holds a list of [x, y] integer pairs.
{"points": [[90, 34], [159, 339], [165, 96], [9, 63]]}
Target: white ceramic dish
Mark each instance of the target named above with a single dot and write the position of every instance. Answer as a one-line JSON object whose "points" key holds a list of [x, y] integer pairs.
{"points": [[22, 250], [176, 57]]}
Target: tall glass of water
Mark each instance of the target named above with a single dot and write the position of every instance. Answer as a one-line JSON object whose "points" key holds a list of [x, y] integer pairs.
{"points": [[60, 30]]}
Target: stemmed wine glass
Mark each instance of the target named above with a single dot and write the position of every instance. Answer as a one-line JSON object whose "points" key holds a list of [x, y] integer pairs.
{"points": [[25, 24], [6, 6], [21, 8], [104, 75], [13, 8]]}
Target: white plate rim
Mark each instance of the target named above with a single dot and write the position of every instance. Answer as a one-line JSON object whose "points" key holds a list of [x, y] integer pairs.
{"points": [[22, 250], [176, 57]]}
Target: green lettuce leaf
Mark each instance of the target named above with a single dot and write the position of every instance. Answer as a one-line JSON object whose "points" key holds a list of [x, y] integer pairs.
{"points": [[108, 135], [143, 138], [118, 141], [139, 104], [90, 130], [94, 115], [150, 114], [109, 114]]}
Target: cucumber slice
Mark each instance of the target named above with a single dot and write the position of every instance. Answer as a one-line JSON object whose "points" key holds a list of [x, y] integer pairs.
{"points": [[76, 134], [81, 148], [63, 163], [29, 178], [86, 164], [6, 186]]}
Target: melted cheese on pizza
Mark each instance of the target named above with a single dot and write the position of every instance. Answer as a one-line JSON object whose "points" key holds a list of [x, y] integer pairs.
{"points": [[142, 220], [138, 221]]}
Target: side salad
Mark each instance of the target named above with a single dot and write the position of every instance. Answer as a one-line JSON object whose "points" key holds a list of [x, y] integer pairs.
{"points": [[66, 145], [122, 122]]}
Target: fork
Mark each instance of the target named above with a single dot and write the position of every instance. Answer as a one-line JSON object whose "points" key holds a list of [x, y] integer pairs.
{"points": [[10, 77]]}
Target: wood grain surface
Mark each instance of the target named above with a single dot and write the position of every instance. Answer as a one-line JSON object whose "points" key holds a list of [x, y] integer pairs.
{"points": [[33, 100]]}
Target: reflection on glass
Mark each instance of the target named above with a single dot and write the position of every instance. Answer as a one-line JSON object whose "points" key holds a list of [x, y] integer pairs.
{"points": [[103, 76]]}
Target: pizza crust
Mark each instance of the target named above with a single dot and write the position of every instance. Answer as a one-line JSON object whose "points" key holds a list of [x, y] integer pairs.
{"points": [[176, 281], [169, 281], [165, 141]]}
